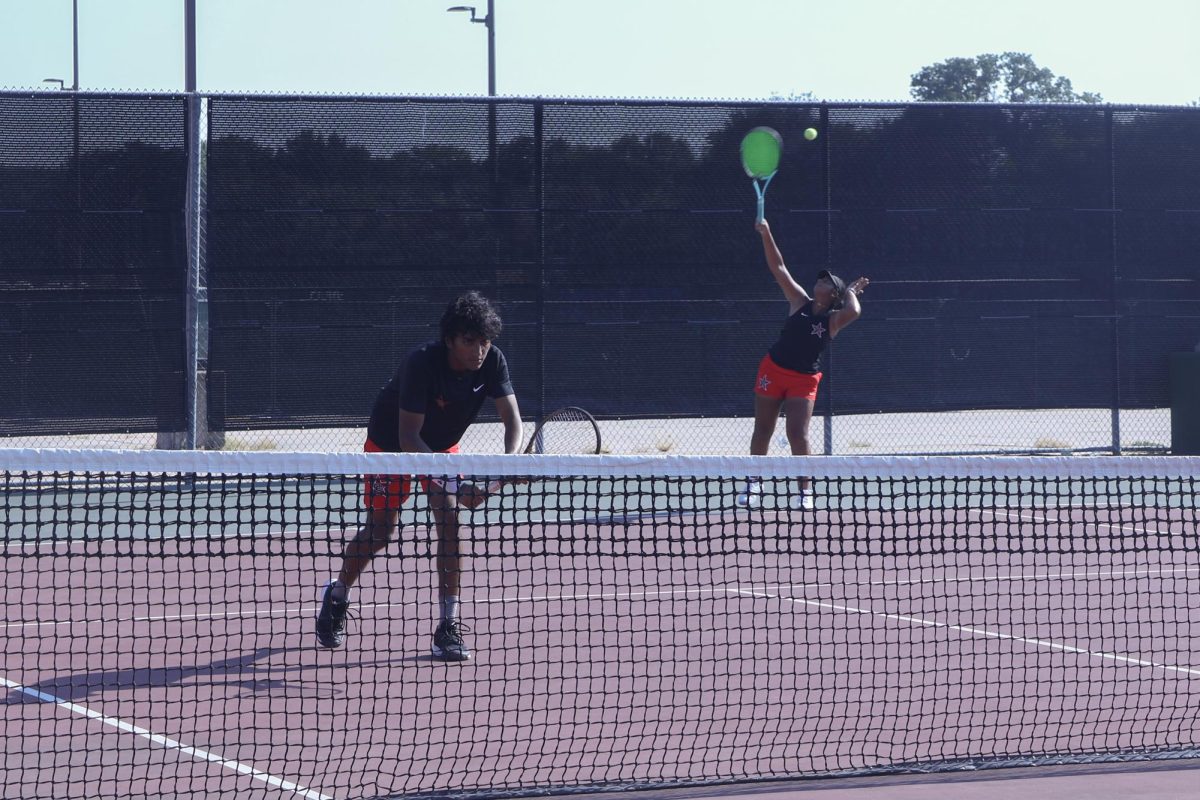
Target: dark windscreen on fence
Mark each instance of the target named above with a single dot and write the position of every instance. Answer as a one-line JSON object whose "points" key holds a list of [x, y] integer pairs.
{"points": [[92, 263], [1007, 248], [1021, 257]]}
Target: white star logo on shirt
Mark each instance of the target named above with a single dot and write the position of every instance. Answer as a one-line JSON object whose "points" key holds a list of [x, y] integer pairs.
{"points": [[818, 329]]}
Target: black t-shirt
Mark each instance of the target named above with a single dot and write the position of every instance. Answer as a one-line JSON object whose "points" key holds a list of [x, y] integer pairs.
{"points": [[449, 400], [802, 341]]}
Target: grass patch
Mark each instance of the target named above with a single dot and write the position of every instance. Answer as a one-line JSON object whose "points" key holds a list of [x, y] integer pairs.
{"points": [[234, 443]]}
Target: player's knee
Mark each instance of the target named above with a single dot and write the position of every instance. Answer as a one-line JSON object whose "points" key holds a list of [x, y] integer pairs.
{"points": [[379, 530], [800, 445]]}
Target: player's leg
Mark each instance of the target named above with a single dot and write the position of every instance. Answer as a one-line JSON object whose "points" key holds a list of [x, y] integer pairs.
{"points": [[766, 414], [372, 537], [383, 496], [448, 642], [799, 412]]}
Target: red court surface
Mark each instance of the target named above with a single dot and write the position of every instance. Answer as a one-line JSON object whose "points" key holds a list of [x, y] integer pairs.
{"points": [[673, 651]]}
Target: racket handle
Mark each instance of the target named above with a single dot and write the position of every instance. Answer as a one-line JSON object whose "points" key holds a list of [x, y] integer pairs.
{"points": [[761, 209]]}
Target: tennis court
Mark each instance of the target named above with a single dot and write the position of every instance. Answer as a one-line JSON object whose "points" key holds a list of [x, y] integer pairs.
{"points": [[635, 629]]}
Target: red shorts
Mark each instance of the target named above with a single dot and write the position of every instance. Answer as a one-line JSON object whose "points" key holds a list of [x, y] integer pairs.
{"points": [[775, 381], [389, 492]]}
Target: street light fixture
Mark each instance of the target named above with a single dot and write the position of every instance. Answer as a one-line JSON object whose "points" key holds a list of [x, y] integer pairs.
{"points": [[61, 83], [489, 20]]}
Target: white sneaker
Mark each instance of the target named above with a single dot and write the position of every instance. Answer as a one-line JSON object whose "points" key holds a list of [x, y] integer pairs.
{"points": [[752, 496], [801, 502]]}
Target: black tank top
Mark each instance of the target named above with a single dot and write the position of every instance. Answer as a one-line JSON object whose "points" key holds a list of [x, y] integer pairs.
{"points": [[802, 341]]}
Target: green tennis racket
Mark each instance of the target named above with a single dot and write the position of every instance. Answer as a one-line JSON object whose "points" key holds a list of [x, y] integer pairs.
{"points": [[761, 149]]}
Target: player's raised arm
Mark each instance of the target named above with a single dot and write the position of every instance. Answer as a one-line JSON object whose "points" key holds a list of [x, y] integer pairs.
{"points": [[794, 292], [851, 307]]}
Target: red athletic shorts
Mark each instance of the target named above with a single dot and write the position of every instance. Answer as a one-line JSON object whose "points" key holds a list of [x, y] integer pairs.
{"points": [[775, 381], [389, 492]]}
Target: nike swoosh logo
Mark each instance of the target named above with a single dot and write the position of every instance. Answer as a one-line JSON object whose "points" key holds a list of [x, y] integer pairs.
{"points": [[478, 388]]}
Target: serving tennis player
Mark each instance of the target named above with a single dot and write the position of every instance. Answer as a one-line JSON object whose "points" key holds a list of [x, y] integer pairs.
{"points": [[790, 372], [426, 407]]}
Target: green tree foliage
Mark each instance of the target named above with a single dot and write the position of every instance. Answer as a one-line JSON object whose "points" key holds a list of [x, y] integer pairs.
{"points": [[991, 78]]}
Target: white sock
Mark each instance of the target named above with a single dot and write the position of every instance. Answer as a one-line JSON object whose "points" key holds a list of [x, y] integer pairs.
{"points": [[450, 607], [339, 591]]}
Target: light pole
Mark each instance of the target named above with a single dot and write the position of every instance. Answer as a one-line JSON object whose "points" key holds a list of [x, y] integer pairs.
{"points": [[488, 21], [74, 52], [75, 44]]}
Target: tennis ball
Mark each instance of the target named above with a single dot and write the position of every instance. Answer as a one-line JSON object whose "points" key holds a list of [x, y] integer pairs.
{"points": [[810, 133]]}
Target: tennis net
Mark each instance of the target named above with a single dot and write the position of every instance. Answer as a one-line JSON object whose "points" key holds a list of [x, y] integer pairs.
{"points": [[632, 621]]}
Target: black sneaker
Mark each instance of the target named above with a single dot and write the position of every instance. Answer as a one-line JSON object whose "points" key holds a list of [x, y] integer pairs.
{"points": [[448, 643], [331, 622]]}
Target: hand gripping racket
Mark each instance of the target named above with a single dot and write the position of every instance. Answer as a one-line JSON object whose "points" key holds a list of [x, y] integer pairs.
{"points": [[761, 149]]}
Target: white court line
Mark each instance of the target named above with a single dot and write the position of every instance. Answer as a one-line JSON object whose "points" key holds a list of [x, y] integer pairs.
{"points": [[74, 541], [1033, 576], [628, 595], [290, 610], [32, 543], [1031, 516], [270, 612], [164, 741], [985, 632]]}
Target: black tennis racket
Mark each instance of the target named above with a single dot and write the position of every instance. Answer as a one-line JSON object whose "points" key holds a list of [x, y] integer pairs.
{"points": [[569, 431]]}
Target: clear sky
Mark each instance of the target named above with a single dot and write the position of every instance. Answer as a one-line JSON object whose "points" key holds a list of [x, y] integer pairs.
{"points": [[1145, 52]]}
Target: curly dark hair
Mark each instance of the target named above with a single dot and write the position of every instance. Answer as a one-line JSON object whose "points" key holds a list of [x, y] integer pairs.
{"points": [[470, 314]]}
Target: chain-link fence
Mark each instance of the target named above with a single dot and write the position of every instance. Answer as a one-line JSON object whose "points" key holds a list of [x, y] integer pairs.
{"points": [[247, 272]]}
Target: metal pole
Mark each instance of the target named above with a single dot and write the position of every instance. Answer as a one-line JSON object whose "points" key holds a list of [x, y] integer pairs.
{"points": [[75, 44], [825, 172], [189, 46], [1116, 294], [493, 155], [197, 334], [491, 34], [539, 182], [75, 121]]}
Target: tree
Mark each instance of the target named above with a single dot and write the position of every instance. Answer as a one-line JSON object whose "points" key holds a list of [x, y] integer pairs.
{"points": [[991, 78], [792, 97]]}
